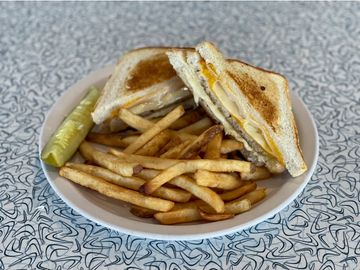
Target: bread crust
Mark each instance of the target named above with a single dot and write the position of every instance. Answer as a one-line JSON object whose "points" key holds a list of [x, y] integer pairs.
{"points": [[268, 113], [117, 84]]}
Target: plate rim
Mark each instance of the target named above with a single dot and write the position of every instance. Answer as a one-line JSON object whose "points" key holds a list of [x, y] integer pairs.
{"points": [[99, 74]]}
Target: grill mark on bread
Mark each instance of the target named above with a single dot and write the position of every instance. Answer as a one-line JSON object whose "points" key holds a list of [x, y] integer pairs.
{"points": [[257, 98], [153, 70]]}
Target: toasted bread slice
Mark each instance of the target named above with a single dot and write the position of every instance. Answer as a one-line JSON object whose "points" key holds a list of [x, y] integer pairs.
{"points": [[143, 82], [252, 104]]}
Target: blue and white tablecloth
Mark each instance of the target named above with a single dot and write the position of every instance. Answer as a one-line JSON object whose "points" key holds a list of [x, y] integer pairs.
{"points": [[47, 47]]}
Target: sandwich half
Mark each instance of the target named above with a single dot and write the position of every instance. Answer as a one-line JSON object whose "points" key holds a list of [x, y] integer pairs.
{"points": [[252, 104], [144, 82]]}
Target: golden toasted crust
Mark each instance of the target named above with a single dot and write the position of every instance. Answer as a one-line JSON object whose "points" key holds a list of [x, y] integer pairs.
{"points": [[150, 71], [139, 70], [257, 98], [256, 67]]}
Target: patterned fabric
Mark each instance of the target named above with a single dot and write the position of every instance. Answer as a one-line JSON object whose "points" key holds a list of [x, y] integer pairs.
{"points": [[47, 47]]}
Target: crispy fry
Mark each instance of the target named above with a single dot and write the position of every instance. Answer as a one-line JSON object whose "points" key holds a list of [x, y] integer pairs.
{"points": [[157, 128], [237, 206], [108, 161], [215, 217], [106, 139], [135, 121], [130, 139], [148, 174], [188, 166], [142, 212], [192, 150], [198, 127], [214, 147], [176, 150], [217, 180], [236, 193], [174, 141], [191, 204], [178, 216], [203, 193], [155, 144], [114, 191], [187, 119], [255, 196], [187, 136], [147, 162], [260, 173], [176, 195], [242, 204], [228, 146], [142, 124], [187, 183]]}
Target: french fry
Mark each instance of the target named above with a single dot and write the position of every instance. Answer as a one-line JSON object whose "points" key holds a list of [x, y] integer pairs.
{"points": [[191, 204], [155, 144], [135, 121], [130, 139], [187, 119], [192, 150], [189, 166], [238, 192], [174, 141], [148, 174], [145, 161], [244, 203], [178, 216], [108, 161], [162, 124], [198, 127], [142, 124], [237, 206], [176, 195], [215, 217], [205, 194], [114, 191], [260, 173], [217, 180], [186, 136], [142, 212], [254, 196], [234, 207], [214, 147], [106, 139], [228, 146], [175, 151]]}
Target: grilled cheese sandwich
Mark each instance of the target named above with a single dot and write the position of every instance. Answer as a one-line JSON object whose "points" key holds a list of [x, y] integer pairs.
{"points": [[143, 82], [252, 104]]}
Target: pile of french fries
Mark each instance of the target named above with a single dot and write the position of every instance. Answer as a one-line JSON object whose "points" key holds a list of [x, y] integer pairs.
{"points": [[180, 168]]}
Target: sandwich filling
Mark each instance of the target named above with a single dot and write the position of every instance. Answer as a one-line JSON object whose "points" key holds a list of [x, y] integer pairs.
{"points": [[225, 95]]}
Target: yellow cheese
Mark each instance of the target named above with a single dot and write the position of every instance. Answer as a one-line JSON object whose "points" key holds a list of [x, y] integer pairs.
{"points": [[261, 136]]}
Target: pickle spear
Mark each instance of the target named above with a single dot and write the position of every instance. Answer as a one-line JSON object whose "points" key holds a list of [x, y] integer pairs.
{"points": [[72, 131]]}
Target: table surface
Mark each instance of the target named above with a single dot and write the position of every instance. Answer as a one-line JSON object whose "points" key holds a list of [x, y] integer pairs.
{"points": [[47, 47]]}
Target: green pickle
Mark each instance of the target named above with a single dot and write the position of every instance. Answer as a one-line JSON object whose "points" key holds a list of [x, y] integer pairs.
{"points": [[72, 131]]}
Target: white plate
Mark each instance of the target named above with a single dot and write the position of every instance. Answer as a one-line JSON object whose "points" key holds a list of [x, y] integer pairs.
{"points": [[282, 189]]}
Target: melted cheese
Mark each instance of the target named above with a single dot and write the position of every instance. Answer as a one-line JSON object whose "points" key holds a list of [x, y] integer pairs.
{"points": [[250, 126]]}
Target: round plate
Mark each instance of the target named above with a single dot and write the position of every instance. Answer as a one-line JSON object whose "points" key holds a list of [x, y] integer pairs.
{"points": [[114, 214]]}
